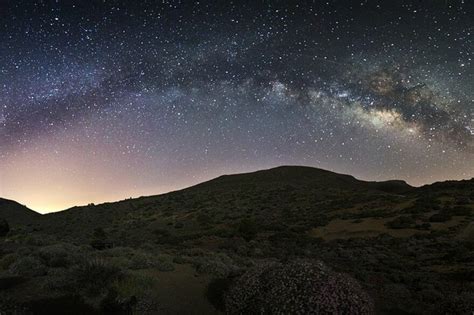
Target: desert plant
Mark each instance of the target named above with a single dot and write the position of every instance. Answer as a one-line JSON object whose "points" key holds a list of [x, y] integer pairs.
{"points": [[248, 229], [28, 266], [301, 287], [94, 276], [440, 217], [100, 240], [164, 263], [133, 285], [142, 260], [4, 227], [215, 292], [179, 225], [462, 303], [7, 260], [58, 255], [402, 222]]}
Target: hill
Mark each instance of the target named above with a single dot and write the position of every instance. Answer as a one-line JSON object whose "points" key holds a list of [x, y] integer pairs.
{"points": [[17, 214], [282, 195], [410, 248]]}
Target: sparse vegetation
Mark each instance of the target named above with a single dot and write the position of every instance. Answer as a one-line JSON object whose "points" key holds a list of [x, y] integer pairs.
{"points": [[410, 250]]}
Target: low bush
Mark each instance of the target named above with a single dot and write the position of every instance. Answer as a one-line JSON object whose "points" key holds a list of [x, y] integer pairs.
{"points": [[58, 255], [164, 263], [440, 217], [402, 222], [301, 287], [215, 292], [7, 260], [248, 229], [460, 211], [142, 260], [93, 276], [162, 233], [4, 227], [28, 266], [133, 285]]}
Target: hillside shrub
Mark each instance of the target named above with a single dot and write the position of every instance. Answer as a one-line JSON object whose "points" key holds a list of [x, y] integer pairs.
{"points": [[462, 303], [248, 229], [7, 260], [4, 227], [463, 201], [402, 222], [460, 211], [300, 287], [131, 285], [93, 276], [161, 233], [58, 255], [204, 219], [164, 263], [28, 266], [215, 292], [100, 239], [440, 217], [142, 260]]}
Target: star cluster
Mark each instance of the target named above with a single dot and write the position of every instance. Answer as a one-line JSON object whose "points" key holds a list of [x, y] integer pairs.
{"points": [[111, 99]]}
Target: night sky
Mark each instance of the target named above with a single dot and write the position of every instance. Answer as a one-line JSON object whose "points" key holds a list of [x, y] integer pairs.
{"points": [[105, 100]]}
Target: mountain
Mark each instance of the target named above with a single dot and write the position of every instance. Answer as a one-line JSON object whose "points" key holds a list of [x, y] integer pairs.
{"points": [[410, 248], [283, 194], [302, 176], [17, 214]]}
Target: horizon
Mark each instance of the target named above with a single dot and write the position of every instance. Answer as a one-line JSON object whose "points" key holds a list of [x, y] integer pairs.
{"points": [[108, 100], [45, 210]]}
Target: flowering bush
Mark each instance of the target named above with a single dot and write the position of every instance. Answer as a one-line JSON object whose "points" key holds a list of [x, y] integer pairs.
{"points": [[300, 287]]}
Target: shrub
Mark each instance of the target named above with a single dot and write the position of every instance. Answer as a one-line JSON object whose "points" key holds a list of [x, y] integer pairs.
{"points": [[133, 285], [95, 275], [248, 229], [213, 267], [215, 292], [99, 239], [402, 222], [440, 217], [58, 255], [299, 287], [36, 240], [180, 260], [7, 260], [99, 233], [58, 279], [423, 226], [460, 210], [463, 201], [4, 227], [204, 219], [162, 233], [28, 266], [141, 260], [164, 263], [457, 304]]}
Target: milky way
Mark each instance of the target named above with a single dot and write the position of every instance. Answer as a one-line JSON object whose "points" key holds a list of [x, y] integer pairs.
{"points": [[110, 99]]}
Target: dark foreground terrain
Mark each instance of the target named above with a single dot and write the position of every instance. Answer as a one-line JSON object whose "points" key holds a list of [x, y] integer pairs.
{"points": [[283, 240]]}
